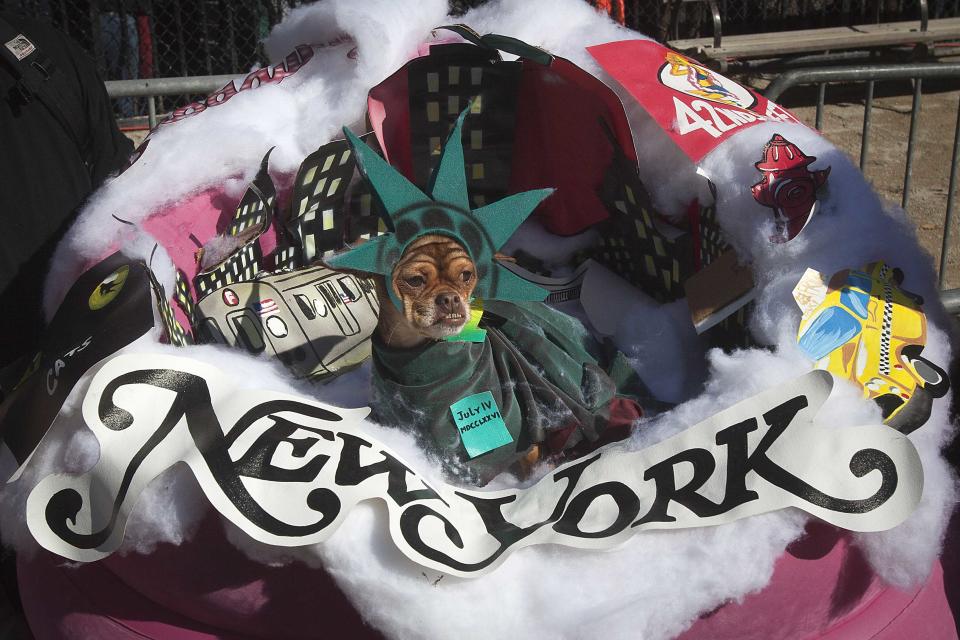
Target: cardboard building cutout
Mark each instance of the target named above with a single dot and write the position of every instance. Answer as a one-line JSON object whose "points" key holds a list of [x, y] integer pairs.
{"points": [[636, 242], [235, 254], [440, 86], [330, 206], [553, 123], [267, 297], [535, 123], [183, 298], [174, 332]]}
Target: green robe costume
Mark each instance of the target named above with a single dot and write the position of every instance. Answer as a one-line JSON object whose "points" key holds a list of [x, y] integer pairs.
{"points": [[542, 370], [545, 372]]}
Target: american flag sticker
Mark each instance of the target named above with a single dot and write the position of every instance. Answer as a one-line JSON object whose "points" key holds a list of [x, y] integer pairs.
{"points": [[20, 46], [265, 307]]}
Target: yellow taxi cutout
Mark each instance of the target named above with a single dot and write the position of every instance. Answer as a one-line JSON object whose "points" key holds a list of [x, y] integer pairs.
{"points": [[860, 326], [108, 289]]}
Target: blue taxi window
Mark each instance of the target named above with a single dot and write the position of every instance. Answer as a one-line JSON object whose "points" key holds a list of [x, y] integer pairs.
{"points": [[855, 300], [832, 328]]}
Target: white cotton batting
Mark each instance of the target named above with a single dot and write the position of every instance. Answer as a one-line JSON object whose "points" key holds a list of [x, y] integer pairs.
{"points": [[656, 584]]}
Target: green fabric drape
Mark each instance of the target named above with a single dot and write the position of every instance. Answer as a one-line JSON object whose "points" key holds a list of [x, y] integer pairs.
{"points": [[544, 370]]}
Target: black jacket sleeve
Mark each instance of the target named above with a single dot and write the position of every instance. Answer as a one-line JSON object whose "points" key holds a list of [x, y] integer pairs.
{"points": [[108, 149]]}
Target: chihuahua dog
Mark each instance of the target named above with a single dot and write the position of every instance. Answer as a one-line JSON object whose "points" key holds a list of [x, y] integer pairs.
{"points": [[434, 280]]}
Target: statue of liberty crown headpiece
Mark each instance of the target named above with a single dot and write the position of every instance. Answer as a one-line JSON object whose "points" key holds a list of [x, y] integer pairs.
{"points": [[446, 211]]}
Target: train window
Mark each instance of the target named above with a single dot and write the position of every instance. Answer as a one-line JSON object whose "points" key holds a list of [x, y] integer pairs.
{"points": [[325, 289], [320, 307], [277, 327], [306, 308], [331, 297], [351, 293], [210, 332], [248, 332]]}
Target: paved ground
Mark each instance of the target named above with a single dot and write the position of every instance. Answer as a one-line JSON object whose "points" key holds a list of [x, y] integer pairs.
{"points": [[843, 124]]}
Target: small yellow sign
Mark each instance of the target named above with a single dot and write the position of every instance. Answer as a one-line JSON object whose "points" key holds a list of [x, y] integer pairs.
{"points": [[109, 289]]}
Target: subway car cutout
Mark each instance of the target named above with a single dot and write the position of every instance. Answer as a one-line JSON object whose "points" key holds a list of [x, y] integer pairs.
{"points": [[316, 320]]}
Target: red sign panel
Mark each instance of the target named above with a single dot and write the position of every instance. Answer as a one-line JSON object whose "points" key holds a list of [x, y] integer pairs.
{"points": [[696, 106]]}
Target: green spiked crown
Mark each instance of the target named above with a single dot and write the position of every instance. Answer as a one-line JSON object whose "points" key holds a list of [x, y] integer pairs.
{"points": [[446, 211]]}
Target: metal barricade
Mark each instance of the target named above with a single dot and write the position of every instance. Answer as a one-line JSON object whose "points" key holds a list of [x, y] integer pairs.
{"points": [[177, 37], [870, 76], [152, 88]]}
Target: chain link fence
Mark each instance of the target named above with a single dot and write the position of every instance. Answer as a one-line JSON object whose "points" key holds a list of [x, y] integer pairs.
{"points": [[131, 39], [675, 19], [173, 38]]}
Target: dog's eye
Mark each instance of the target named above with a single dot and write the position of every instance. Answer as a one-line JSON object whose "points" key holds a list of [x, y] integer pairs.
{"points": [[466, 276], [415, 281]]}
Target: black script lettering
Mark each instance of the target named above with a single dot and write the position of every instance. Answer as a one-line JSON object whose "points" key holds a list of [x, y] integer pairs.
{"points": [[628, 506], [228, 91], [260, 76], [350, 473], [278, 72], [862, 463], [740, 463], [191, 109], [489, 510], [256, 462], [192, 403], [667, 491], [266, 75], [735, 439], [301, 55]]}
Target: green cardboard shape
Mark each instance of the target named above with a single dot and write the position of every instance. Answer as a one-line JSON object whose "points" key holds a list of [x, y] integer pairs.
{"points": [[446, 211], [480, 424]]}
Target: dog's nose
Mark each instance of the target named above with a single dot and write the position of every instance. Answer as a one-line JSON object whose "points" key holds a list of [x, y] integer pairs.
{"points": [[448, 302]]}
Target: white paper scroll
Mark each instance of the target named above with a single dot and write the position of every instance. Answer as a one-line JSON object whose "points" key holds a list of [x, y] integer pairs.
{"points": [[287, 470]]}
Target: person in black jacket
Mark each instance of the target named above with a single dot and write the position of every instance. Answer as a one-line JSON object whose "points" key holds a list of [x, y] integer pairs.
{"points": [[59, 142]]}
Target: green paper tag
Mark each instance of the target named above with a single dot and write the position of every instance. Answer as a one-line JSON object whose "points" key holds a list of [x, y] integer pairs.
{"points": [[471, 331], [481, 427]]}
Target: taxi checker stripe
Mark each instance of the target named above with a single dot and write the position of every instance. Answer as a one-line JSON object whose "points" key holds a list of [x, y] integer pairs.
{"points": [[885, 329]]}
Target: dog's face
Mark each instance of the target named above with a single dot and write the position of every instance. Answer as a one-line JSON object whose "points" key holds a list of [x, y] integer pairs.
{"points": [[434, 280]]}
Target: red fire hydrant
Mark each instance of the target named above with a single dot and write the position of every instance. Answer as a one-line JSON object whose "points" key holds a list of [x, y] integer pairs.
{"points": [[787, 186]]}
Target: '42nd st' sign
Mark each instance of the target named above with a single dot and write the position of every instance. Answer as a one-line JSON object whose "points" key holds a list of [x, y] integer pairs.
{"points": [[696, 106]]}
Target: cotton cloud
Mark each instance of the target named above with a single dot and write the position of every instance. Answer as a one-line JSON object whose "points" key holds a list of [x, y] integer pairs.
{"points": [[656, 584]]}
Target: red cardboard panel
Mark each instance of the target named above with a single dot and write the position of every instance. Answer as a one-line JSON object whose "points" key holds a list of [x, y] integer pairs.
{"points": [[696, 106], [560, 142]]}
